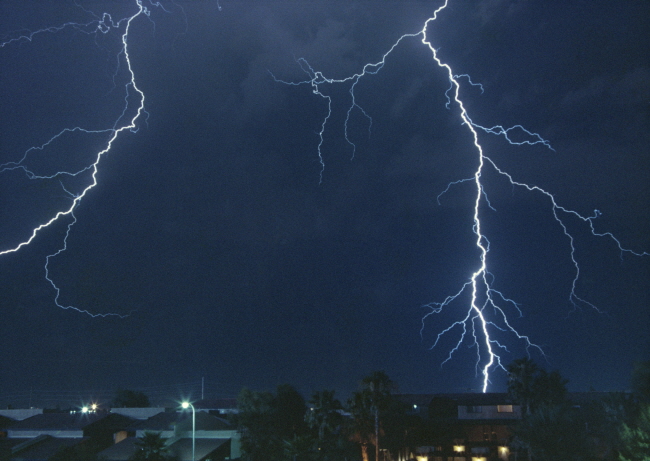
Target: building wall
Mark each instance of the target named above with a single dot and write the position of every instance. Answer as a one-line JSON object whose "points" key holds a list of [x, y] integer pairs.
{"points": [[488, 433], [489, 412]]}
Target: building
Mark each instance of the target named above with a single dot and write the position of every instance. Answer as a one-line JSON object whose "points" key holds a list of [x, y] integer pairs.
{"points": [[112, 435], [465, 427], [215, 438], [41, 436]]}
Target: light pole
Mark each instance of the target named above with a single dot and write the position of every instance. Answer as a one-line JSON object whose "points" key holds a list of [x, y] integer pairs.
{"points": [[187, 405]]}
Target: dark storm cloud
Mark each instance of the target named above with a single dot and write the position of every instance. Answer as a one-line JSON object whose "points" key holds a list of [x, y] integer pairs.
{"points": [[211, 223], [333, 37]]}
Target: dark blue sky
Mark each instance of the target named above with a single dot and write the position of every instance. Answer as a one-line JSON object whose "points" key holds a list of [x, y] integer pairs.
{"points": [[209, 226]]}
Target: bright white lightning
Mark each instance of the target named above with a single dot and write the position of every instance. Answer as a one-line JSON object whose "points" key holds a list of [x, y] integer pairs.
{"points": [[101, 25], [484, 299]]}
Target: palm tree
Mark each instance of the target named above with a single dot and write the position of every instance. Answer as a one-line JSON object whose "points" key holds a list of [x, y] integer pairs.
{"points": [[323, 413], [380, 387], [151, 447], [360, 428], [373, 400]]}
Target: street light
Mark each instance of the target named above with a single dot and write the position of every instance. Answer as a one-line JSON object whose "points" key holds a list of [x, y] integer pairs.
{"points": [[187, 405]]}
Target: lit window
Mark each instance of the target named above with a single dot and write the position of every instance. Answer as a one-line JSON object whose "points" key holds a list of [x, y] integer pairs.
{"points": [[459, 448], [504, 408]]}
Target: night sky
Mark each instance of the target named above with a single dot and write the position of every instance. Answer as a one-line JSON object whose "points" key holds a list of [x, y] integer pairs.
{"points": [[211, 230]]}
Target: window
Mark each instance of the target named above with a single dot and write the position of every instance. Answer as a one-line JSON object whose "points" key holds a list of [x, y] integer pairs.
{"points": [[474, 409], [504, 408]]}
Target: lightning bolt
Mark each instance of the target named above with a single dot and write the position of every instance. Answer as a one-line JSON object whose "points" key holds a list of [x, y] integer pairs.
{"points": [[485, 316], [134, 104]]}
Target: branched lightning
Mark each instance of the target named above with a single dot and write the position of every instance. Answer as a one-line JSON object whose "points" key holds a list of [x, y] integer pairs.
{"points": [[485, 316], [133, 97]]}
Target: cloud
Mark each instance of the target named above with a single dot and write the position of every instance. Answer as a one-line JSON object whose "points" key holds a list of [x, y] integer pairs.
{"points": [[488, 9], [631, 88]]}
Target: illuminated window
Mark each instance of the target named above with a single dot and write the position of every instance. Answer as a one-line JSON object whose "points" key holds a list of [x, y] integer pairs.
{"points": [[503, 453], [459, 448], [504, 408]]}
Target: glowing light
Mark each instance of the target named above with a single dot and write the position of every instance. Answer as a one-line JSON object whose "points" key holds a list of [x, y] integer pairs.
{"points": [[185, 405], [84, 409], [485, 318], [459, 448]]}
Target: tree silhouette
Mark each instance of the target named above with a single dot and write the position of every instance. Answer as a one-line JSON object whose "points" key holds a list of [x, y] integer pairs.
{"points": [[323, 413], [551, 433], [635, 438], [255, 420], [300, 448], [548, 422], [125, 398], [267, 420], [368, 407], [521, 375], [151, 447], [641, 381], [361, 427]]}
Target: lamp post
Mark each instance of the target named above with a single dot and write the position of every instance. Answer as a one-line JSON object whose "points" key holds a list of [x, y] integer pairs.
{"points": [[187, 405]]}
